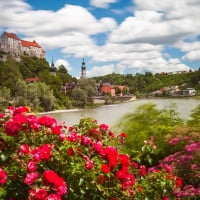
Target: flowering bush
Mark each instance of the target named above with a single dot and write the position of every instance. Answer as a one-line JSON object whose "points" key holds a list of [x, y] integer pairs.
{"points": [[185, 163], [43, 160]]}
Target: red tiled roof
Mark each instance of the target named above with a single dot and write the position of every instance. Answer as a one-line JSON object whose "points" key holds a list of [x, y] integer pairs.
{"points": [[31, 79], [12, 35], [26, 43]]}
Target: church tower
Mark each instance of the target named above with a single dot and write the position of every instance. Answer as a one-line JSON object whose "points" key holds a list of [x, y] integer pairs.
{"points": [[83, 69], [53, 69]]}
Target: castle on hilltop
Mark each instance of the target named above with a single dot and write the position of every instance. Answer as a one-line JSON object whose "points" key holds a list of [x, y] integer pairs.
{"points": [[12, 44]]}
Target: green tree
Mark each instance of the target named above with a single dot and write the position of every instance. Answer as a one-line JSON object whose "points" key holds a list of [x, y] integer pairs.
{"points": [[117, 91], [34, 65], [4, 97], [62, 69], [125, 91], [52, 81], [47, 99], [9, 74], [79, 97], [89, 87], [38, 96], [63, 75]]}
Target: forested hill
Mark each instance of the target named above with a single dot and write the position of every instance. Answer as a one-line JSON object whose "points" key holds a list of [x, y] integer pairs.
{"points": [[46, 94], [148, 82], [42, 95]]}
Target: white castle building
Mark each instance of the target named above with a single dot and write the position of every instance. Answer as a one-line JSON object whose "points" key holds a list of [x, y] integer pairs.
{"points": [[12, 44]]}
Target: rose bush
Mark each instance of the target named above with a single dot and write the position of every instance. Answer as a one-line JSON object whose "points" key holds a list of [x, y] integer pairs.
{"points": [[43, 160], [186, 161]]}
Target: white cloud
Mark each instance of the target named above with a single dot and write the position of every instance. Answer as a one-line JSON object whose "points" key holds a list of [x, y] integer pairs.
{"points": [[150, 27], [63, 62], [159, 22], [157, 65], [171, 8], [101, 70], [63, 23], [136, 44], [192, 50], [122, 11], [192, 55], [188, 46], [101, 3]]}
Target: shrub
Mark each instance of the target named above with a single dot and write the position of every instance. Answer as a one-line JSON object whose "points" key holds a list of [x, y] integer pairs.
{"points": [[184, 143], [146, 121], [41, 159]]}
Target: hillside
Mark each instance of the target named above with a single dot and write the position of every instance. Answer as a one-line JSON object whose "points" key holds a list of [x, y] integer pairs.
{"points": [[15, 90], [148, 82], [45, 91]]}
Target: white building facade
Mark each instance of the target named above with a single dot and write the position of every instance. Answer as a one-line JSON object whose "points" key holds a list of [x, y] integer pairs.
{"points": [[11, 43]]}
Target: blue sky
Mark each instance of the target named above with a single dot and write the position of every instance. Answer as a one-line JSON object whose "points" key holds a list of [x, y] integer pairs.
{"points": [[121, 36]]}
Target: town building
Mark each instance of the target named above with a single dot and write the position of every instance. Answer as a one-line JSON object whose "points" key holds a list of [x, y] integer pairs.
{"points": [[12, 44], [107, 88]]}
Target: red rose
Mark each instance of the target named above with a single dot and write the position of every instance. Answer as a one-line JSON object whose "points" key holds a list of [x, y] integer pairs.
{"points": [[24, 148], [3, 176], [124, 159], [52, 177], [30, 178], [54, 197], [105, 168], [47, 121], [143, 170], [179, 182], [121, 174], [40, 194], [168, 168], [31, 167], [101, 179], [70, 151]]}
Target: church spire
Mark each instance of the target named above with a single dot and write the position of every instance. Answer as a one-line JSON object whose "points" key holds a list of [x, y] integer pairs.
{"points": [[53, 69], [52, 63], [83, 69]]}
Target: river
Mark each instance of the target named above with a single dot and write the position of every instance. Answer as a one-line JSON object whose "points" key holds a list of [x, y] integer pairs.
{"points": [[110, 114]]}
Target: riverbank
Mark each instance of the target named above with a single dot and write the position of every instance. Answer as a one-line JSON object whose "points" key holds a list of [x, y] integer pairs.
{"points": [[110, 114], [60, 111], [98, 102], [116, 99]]}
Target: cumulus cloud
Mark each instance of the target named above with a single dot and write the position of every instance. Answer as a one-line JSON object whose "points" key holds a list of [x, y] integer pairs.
{"points": [[101, 3], [121, 11], [188, 46], [192, 55], [159, 22], [63, 22], [191, 50], [136, 44], [64, 63], [101, 70], [151, 27]]}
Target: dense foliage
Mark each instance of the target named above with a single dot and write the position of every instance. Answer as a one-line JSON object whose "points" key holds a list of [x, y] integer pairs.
{"points": [[144, 83], [43, 160], [147, 121], [44, 95], [176, 143]]}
